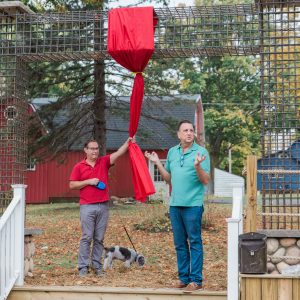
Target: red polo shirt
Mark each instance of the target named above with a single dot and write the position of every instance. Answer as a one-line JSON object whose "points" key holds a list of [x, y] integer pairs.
{"points": [[82, 171]]}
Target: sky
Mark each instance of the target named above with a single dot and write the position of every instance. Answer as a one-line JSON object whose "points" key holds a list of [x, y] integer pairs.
{"points": [[173, 3]]}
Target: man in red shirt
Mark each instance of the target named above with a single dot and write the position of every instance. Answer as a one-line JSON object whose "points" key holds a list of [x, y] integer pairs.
{"points": [[90, 176]]}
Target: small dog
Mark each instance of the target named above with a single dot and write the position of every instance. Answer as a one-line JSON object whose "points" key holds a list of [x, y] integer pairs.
{"points": [[124, 254]]}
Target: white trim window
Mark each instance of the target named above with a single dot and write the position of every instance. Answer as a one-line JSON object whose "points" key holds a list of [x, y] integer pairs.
{"points": [[156, 174], [10, 112], [161, 187], [31, 164]]}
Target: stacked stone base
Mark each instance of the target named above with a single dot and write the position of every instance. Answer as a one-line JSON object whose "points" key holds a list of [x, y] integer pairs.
{"points": [[29, 250], [278, 248], [283, 249]]}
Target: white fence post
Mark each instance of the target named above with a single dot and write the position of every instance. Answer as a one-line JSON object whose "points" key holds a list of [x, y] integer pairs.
{"points": [[12, 243], [19, 191], [237, 197], [235, 228]]}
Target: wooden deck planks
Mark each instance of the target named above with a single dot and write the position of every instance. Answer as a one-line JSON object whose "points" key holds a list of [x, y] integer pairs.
{"points": [[268, 287], [296, 289], [253, 289], [117, 293], [285, 289]]}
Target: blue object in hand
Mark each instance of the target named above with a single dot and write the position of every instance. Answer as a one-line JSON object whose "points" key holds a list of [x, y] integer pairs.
{"points": [[101, 185]]}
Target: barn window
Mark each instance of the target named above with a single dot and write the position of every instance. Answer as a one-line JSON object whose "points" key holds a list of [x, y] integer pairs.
{"points": [[10, 112], [31, 165], [283, 155]]}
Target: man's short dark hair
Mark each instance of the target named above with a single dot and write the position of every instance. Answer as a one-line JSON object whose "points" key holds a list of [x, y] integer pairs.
{"points": [[89, 141], [184, 122]]}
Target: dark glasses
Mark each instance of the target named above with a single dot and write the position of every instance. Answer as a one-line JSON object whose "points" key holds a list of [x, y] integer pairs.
{"points": [[181, 160]]}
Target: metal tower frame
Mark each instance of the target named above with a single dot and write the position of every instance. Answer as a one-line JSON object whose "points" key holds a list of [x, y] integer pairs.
{"points": [[269, 29]]}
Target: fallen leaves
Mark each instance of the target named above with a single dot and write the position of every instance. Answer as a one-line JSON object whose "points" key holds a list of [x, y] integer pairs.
{"points": [[57, 248]]}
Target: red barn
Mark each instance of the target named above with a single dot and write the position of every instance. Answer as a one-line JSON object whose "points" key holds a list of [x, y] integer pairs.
{"points": [[49, 181]]}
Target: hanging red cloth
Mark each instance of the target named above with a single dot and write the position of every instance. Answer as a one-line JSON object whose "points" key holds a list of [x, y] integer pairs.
{"points": [[131, 44]]}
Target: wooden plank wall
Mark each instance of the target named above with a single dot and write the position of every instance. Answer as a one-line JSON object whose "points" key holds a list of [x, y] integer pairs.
{"points": [[270, 288]]}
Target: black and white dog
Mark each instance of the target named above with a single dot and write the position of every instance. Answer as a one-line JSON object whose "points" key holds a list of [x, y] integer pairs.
{"points": [[124, 254]]}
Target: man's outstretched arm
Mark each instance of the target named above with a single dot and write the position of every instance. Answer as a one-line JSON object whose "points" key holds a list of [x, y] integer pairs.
{"points": [[122, 150], [155, 159]]}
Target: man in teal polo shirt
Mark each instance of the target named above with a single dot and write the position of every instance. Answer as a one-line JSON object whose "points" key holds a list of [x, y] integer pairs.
{"points": [[187, 169]]}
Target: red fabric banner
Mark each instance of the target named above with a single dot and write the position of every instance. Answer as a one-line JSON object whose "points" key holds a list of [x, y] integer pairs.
{"points": [[131, 44]]}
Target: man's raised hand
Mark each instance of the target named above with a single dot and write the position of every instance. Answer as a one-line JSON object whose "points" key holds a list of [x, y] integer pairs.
{"points": [[152, 156], [199, 159]]}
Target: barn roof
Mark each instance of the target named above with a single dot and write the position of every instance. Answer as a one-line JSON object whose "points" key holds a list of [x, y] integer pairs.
{"points": [[157, 127]]}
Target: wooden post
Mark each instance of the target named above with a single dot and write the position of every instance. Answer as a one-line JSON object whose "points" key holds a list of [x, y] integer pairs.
{"points": [[251, 194]]}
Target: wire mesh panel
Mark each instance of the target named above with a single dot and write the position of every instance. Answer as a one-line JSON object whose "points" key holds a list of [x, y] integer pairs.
{"points": [[181, 32], [207, 31], [280, 89], [13, 112], [61, 36], [13, 122]]}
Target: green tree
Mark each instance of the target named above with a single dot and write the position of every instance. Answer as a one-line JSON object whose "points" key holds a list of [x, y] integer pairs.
{"points": [[223, 81], [230, 90], [230, 129]]}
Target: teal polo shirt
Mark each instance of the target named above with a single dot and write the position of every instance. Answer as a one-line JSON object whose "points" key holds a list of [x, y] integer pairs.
{"points": [[187, 190]]}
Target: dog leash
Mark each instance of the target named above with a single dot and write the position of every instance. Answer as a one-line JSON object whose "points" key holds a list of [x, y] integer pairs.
{"points": [[126, 232], [129, 238]]}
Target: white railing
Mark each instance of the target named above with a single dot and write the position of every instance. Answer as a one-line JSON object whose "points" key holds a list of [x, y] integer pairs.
{"points": [[235, 228], [12, 243]]}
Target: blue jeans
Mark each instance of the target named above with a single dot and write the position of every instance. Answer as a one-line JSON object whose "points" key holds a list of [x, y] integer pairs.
{"points": [[186, 226]]}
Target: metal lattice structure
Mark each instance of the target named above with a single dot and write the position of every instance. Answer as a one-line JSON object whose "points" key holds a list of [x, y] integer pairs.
{"points": [[280, 100], [13, 109], [181, 32], [269, 29]]}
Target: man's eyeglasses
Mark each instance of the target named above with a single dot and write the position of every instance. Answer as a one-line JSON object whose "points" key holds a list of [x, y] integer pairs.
{"points": [[94, 149], [181, 160]]}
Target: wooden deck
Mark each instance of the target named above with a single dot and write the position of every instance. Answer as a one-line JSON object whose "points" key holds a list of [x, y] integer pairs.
{"points": [[105, 293], [270, 287]]}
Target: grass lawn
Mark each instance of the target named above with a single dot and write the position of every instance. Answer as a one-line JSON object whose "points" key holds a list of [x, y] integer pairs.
{"points": [[56, 249]]}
